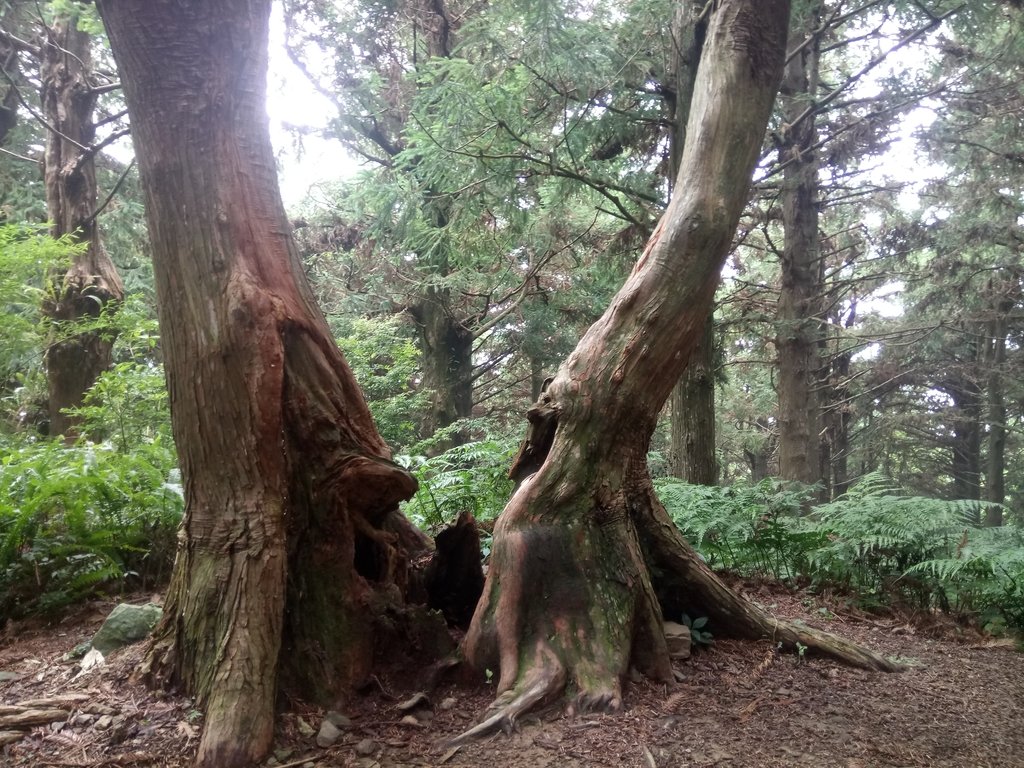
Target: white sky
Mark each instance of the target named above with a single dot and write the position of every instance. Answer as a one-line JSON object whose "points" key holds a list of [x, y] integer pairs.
{"points": [[292, 100]]}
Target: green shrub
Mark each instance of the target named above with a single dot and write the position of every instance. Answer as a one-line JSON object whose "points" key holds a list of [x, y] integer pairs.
{"points": [[746, 529], [76, 518], [471, 477]]}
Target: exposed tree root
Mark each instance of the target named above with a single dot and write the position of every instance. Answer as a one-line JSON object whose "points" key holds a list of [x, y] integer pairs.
{"points": [[543, 682]]}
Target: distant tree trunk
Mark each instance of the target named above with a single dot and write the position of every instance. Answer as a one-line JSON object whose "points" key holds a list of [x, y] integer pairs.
{"points": [[693, 415], [995, 458], [74, 360], [798, 320], [447, 349], [293, 556], [8, 91], [966, 444], [693, 399], [759, 458], [584, 557]]}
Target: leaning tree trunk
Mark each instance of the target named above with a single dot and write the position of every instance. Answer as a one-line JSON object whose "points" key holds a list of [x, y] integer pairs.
{"points": [[583, 551], [291, 543], [91, 286]]}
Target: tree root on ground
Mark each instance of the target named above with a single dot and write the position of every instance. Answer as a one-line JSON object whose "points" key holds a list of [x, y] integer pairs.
{"points": [[542, 683]]}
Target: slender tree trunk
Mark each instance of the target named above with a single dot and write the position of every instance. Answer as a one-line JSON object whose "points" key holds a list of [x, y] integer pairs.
{"points": [[447, 349], [995, 457], [571, 599], [91, 286], [693, 399], [693, 415], [292, 553], [799, 323], [966, 445]]}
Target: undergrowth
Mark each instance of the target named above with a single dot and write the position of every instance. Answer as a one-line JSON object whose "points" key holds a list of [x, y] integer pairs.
{"points": [[875, 542]]}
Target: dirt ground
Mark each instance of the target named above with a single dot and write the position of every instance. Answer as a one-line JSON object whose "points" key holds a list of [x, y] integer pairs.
{"points": [[960, 702]]}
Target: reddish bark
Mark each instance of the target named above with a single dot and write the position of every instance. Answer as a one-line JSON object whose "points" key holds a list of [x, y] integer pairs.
{"points": [[292, 553]]}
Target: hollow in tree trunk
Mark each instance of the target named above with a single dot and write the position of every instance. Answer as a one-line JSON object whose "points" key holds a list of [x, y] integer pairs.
{"points": [[292, 558], [91, 286], [585, 561]]}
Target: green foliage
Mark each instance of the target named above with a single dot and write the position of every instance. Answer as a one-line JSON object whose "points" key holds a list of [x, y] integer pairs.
{"points": [[699, 635], [747, 529], [76, 518], [875, 542], [128, 406], [27, 257], [386, 365], [471, 477]]}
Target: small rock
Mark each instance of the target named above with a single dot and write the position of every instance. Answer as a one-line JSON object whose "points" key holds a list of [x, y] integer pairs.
{"points": [[366, 747], [125, 625], [677, 638], [409, 720], [448, 703], [6, 676], [304, 728], [337, 719], [92, 659], [282, 755], [418, 700], [329, 733], [309, 764], [104, 722], [82, 719]]}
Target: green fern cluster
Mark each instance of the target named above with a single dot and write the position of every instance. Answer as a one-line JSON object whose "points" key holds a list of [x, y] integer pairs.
{"points": [[471, 477], [73, 518], [875, 541], [746, 529]]}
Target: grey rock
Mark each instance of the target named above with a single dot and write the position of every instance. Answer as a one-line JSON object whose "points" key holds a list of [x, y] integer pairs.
{"points": [[5, 675], [337, 719], [448, 703], [329, 733], [677, 638], [304, 728], [366, 747], [125, 625], [104, 722]]}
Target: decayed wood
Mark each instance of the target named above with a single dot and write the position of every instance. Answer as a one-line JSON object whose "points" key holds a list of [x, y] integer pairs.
{"points": [[27, 718]]}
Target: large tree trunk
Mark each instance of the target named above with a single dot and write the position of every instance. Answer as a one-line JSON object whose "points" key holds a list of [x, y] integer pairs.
{"points": [[291, 543], [91, 286], [799, 324], [584, 550]]}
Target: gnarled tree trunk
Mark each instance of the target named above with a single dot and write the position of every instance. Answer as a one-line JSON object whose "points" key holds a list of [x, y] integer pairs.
{"points": [[292, 546], [584, 556], [74, 359]]}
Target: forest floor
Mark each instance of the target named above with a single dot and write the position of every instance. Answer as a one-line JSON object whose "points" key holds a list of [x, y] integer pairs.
{"points": [[960, 702]]}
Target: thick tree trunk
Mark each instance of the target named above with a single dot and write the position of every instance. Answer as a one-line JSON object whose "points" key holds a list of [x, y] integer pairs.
{"points": [[291, 538], [693, 415], [799, 323], [583, 549], [91, 286]]}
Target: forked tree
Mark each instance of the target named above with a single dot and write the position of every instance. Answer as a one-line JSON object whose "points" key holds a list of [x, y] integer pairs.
{"points": [[292, 544], [585, 561]]}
